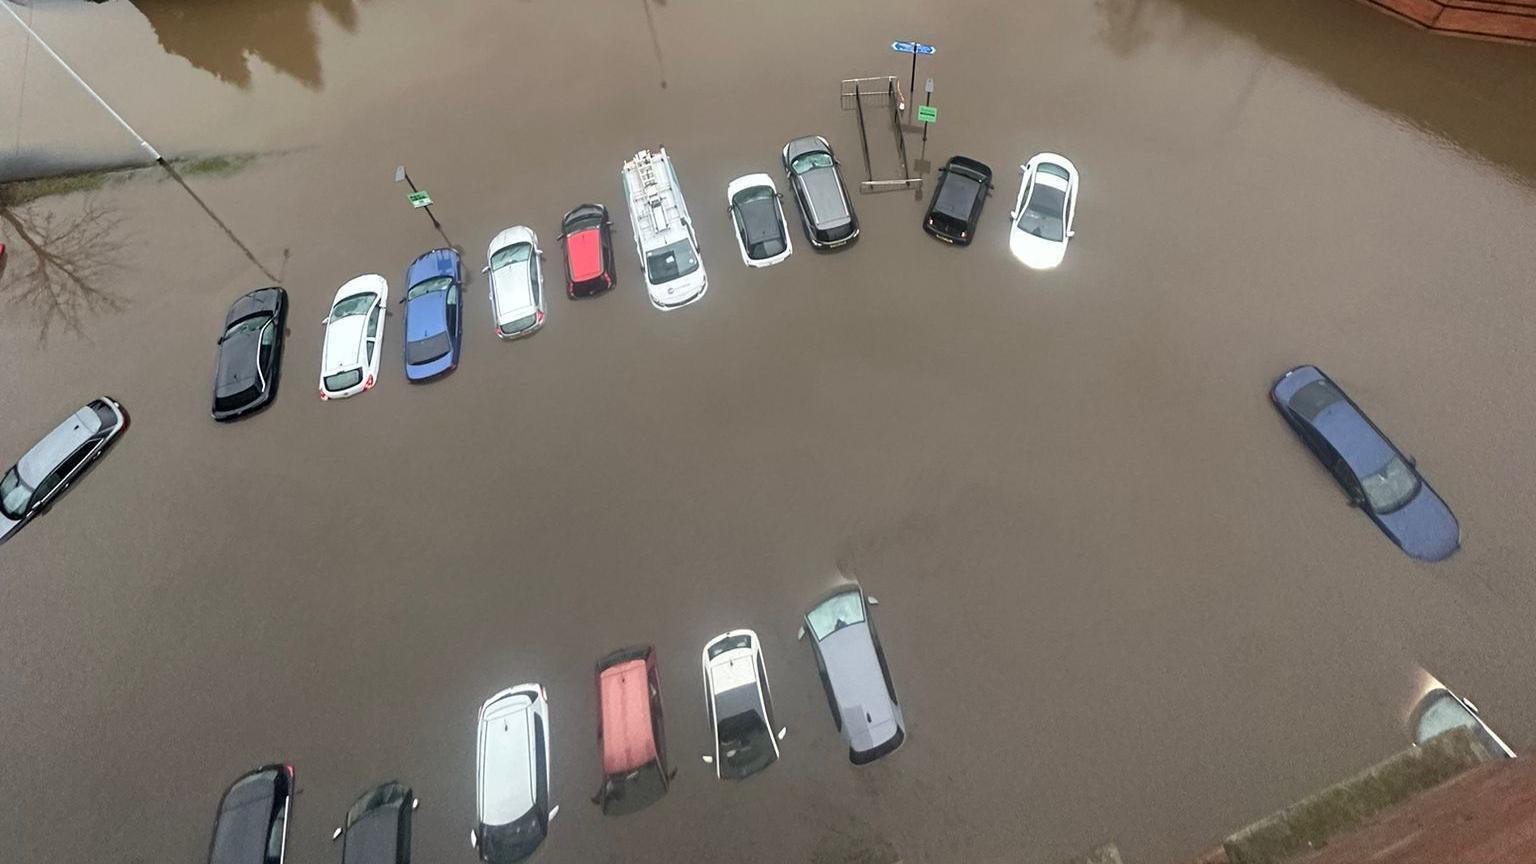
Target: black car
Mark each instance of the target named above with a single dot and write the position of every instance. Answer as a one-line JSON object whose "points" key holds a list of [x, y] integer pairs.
{"points": [[825, 211], [956, 206], [250, 353], [378, 827], [587, 235], [252, 824]]}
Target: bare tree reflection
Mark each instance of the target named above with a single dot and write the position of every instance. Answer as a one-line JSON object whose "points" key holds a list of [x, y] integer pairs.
{"points": [[221, 37], [62, 261], [1125, 25]]}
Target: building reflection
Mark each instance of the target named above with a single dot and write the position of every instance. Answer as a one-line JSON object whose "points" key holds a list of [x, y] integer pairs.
{"points": [[221, 37]]}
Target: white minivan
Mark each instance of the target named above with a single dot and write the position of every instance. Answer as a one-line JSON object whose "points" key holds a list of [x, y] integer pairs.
{"points": [[512, 804]]}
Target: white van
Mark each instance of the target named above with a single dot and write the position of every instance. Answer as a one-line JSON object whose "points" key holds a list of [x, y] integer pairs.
{"points": [[664, 235]]}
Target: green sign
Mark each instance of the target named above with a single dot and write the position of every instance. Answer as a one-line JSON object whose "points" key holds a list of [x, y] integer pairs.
{"points": [[927, 114], [420, 199]]}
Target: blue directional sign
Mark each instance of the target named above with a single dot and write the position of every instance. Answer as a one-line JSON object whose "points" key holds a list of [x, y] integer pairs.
{"points": [[912, 48]]}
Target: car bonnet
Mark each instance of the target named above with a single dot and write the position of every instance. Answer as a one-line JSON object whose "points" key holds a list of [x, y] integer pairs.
{"points": [[868, 715]]}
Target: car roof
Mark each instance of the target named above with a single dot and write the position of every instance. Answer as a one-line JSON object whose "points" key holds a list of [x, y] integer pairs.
{"points": [[734, 668], [56, 446], [853, 668], [624, 698], [584, 252], [1349, 432], [513, 286], [244, 819], [506, 768], [343, 349]]}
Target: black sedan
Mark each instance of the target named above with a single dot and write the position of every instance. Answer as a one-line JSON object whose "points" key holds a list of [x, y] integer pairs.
{"points": [[250, 354], [378, 827], [252, 824], [956, 206]]}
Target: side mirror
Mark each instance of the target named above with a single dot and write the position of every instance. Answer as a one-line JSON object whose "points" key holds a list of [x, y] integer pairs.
{"points": [[335, 835], [325, 320], [801, 634], [1473, 706], [415, 802], [474, 839], [873, 600], [485, 269], [783, 730], [708, 760], [1412, 461], [553, 812], [1071, 233], [1012, 216]]}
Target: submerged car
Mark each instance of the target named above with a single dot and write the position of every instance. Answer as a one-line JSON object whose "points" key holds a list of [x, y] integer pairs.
{"points": [[35, 482], [250, 353], [739, 701], [517, 282], [1440, 710], [252, 823], [757, 211], [587, 236], [854, 674], [354, 332], [956, 205], [630, 731], [434, 320], [665, 238], [512, 770], [825, 211], [1375, 475], [1042, 215], [378, 827]]}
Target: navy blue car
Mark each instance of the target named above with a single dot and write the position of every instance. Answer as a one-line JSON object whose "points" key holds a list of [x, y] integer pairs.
{"points": [[434, 322], [1376, 476]]}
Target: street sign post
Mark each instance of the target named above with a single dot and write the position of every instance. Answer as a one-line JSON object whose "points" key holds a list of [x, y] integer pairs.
{"points": [[927, 114], [914, 48], [420, 199], [927, 101]]}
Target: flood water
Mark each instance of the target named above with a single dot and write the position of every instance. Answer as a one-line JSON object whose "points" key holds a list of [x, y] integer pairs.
{"points": [[1118, 597]]}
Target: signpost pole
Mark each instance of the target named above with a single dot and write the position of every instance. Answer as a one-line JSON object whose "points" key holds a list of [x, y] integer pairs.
{"points": [[927, 100], [912, 84]]}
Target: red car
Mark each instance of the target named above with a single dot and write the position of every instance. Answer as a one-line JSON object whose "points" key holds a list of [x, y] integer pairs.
{"points": [[629, 731], [587, 236]]}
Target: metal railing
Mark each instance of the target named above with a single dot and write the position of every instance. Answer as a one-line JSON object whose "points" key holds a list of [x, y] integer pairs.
{"points": [[881, 92]]}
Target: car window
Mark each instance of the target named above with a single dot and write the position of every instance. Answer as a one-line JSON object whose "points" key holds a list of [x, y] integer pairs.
{"points": [[1442, 715], [540, 769], [810, 162], [252, 324], [15, 496], [1043, 213], [835, 613], [671, 262], [356, 304], [275, 838], [343, 380], [269, 333], [65, 468], [514, 254], [429, 286], [1391, 487], [373, 322]]}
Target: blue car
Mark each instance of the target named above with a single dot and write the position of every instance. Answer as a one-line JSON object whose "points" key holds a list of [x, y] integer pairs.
{"points": [[434, 322], [1376, 476]]}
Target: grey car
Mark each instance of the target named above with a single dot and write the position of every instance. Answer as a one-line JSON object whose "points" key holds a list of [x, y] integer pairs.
{"points": [[825, 211], [31, 486], [854, 673], [1440, 710]]}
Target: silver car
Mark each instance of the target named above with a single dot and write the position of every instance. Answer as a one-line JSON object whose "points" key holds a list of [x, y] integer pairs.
{"points": [[1440, 710], [853, 671], [825, 211], [512, 805], [42, 475]]}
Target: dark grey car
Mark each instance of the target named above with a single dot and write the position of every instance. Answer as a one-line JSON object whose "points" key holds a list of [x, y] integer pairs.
{"points": [[854, 673], [825, 211], [378, 827], [250, 354], [31, 486]]}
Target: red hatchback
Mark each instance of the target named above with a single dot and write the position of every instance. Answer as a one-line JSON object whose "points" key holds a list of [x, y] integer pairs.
{"points": [[629, 731], [588, 239]]}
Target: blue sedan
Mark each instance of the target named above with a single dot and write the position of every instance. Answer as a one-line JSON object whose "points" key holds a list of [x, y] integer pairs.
{"points": [[1376, 476], [434, 323]]}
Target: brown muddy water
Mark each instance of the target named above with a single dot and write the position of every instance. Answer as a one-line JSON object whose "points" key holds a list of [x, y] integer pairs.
{"points": [[1119, 599]]}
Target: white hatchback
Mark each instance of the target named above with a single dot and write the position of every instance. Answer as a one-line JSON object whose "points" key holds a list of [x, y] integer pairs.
{"points": [[740, 705], [757, 213], [517, 282], [354, 333], [1042, 214], [512, 769]]}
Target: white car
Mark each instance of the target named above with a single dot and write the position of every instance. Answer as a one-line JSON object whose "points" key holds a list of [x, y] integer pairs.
{"points": [[1042, 215], [517, 282], [512, 768], [757, 212], [740, 705], [354, 332], [664, 235]]}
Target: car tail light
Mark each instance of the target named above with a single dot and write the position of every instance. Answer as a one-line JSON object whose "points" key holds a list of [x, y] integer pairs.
{"points": [[542, 694], [538, 317], [289, 769], [499, 331], [323, 397], [368, 384], [962, 233]]}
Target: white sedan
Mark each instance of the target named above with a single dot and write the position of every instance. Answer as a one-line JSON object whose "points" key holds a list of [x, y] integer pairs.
{"points": [[354, 331], [517, 282], [757, 212], [1042, 214]]}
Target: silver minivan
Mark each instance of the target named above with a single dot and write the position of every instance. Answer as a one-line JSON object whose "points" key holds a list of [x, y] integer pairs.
{"points": [[31, 486], [512, 803]]}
